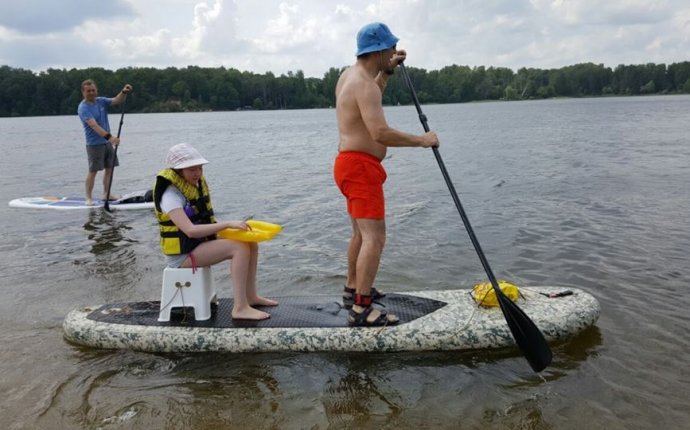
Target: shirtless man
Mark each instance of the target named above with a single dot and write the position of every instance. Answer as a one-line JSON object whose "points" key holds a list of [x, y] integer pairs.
{"points": [[364, 138]]}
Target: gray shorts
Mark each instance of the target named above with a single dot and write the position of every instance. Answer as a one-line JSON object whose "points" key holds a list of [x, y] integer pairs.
{"points": [[101, 157]]}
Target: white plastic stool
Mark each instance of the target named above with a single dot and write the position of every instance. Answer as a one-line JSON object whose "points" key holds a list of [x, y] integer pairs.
{"points": [[182, 288]]}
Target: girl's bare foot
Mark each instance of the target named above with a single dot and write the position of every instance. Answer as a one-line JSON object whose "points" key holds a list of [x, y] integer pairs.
{"points": [[262, 301], [249, 313]]}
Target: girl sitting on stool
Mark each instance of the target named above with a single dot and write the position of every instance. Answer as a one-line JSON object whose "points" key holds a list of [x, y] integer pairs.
{"points": [[188, 230]]}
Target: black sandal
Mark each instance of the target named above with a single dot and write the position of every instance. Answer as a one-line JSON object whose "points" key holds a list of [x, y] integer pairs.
{"points": [[359, 319], [349, 296]]}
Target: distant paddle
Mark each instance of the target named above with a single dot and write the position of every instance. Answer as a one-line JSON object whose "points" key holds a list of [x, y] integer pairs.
{"points": [[527, 335], [106, 205]]}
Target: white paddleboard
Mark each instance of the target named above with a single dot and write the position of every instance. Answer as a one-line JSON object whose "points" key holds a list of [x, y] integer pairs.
{"points": [[74, 203], [430, 320]]}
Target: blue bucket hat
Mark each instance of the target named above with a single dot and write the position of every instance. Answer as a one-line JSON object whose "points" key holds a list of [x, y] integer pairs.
{"points": [[375, 37]]}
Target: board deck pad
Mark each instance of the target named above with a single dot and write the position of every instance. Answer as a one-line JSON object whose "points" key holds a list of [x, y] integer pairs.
{"points": [[292, 312]]}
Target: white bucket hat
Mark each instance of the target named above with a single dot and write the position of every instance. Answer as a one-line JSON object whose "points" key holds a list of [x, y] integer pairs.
{"points": [[182, 155]]}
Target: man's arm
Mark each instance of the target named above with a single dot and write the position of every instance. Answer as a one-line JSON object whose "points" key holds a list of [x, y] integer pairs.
{"points": [[383, 76], [122, 95], [91, 122], [382, 80], [371, 109]]}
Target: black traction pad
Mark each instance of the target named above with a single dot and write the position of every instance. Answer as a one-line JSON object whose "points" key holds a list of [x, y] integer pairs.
{"points": [[292, 312]]}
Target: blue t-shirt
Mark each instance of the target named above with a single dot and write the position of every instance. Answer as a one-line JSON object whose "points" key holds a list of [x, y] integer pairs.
{"points": [[97, 111]]}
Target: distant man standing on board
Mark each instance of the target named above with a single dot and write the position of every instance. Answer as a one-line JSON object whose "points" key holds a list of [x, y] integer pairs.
{"points": [[364, 139], [93, 113]]}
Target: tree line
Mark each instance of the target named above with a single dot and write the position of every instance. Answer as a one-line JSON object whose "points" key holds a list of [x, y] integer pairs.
{"points": [[57, 91]]}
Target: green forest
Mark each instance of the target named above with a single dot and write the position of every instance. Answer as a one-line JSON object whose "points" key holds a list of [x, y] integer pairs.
{"points": [[57, 91]]}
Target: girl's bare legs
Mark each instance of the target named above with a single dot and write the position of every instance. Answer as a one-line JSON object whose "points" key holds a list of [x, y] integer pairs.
{"points": [[240, 268], [239, 253], [252, 296]]}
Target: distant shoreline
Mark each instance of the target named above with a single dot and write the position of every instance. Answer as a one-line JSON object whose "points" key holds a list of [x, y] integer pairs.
{"points": [[196, 89]]}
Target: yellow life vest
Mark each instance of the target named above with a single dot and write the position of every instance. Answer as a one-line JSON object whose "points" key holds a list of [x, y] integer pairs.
{"points": [[484, 294], [173, 241]]}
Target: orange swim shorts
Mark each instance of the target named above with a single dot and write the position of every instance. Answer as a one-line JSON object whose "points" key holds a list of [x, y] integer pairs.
{"points": [[360, 177]]}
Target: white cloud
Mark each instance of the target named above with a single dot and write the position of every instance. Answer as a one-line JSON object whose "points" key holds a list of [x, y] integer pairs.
{"points": [[289, 31], [204, 33], [625, 12]]}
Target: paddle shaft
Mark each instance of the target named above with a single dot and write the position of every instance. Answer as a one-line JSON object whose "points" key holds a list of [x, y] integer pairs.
{"points": [[528, 337], [451, 187], [106, 205]]}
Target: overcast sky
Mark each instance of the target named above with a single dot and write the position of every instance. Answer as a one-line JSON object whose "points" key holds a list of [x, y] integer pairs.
{"points": [[313, 35]]}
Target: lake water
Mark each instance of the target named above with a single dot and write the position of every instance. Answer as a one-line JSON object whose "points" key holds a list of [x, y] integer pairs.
{"points": [[585, 193]]}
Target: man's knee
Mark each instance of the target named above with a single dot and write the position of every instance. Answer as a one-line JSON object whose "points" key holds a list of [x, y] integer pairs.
{"points": [[374, 239], [356, 236]]}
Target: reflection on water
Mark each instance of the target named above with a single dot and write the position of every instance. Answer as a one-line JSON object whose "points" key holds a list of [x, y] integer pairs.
{"points": [[356, 401], [321, 390], [579, 348], [105, 231], [114, 253]]}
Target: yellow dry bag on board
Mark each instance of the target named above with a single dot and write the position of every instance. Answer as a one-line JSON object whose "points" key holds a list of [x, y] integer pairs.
{"points": [[484, 294]]}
